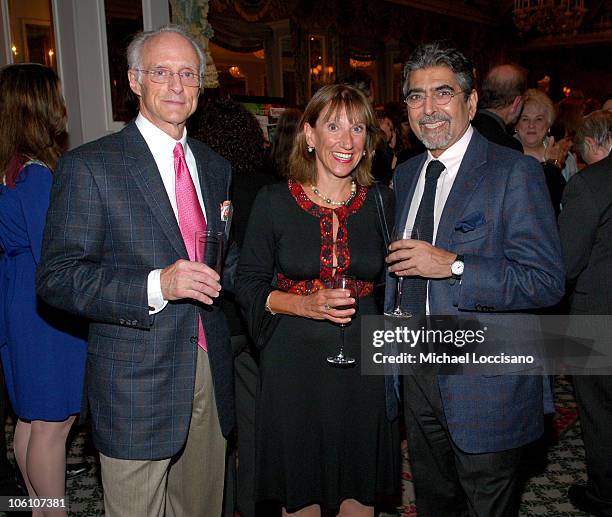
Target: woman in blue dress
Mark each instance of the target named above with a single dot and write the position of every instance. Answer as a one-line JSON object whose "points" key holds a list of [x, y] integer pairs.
{"points": [[43, 353]]}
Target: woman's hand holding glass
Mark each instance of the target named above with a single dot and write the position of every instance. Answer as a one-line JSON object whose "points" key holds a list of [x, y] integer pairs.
{"points": [[556, 152], [326, 304]]}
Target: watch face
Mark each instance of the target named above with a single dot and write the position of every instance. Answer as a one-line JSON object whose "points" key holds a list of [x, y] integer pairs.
{"points": [[457, 268]]}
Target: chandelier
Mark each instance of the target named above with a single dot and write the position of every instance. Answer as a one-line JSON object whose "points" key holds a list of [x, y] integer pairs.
{"points": [[356, 63], [235, 72], [548, 16], [322, 75]]}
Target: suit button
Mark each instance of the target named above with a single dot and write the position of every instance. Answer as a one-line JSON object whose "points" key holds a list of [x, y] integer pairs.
{"points": [[194, 339], [478, 307], [134, 322], [122, 321]]}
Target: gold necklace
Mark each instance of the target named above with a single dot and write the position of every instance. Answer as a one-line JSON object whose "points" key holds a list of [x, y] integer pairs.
{"points": [[336, 203]]}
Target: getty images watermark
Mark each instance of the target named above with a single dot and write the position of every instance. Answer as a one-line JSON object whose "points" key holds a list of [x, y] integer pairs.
{"points": [[429, 338], [491, 344]]}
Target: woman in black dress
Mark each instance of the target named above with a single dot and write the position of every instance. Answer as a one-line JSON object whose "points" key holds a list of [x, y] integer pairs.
{"points": [[322, 437]]}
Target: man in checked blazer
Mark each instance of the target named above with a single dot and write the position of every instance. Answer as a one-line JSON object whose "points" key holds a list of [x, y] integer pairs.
{"points": [[495, 248], [115, 251]]}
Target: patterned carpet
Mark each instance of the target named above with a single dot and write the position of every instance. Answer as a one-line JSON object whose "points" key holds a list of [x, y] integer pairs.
{"points": [[558, 461]]}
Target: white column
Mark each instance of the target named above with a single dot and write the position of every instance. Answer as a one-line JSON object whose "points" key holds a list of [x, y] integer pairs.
{"points": [[82, 60], [274, 57], [5, 34]]}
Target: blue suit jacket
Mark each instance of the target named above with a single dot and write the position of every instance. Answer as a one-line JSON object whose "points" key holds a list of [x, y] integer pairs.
{"points": [[499, 216], [109, 224]]}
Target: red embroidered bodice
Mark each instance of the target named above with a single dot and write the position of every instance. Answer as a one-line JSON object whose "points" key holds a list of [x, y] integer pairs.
{"points": [[343, 256]]}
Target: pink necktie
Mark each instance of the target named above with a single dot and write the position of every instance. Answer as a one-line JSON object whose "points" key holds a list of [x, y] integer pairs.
{"points": [[190, 216]]}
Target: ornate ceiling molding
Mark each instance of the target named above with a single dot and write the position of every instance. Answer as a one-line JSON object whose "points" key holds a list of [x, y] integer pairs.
{"points": [[578, 40], [254, 10], [596, 29], [479, 11]]}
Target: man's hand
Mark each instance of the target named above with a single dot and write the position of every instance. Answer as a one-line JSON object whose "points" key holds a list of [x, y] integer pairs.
{"points": [[187, 279], [411, 257]]}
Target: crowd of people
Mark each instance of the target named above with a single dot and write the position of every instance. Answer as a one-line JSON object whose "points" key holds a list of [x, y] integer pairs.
{"points": [[212, 390]]}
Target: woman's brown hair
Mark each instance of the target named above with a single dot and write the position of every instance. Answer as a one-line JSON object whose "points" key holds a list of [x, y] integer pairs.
{"points": [[33, 118], [330, 101], [283, 140]]}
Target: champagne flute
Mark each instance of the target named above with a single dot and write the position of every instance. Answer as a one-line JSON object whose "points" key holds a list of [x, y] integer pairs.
{"points": [[401, 233], [350, 283]]}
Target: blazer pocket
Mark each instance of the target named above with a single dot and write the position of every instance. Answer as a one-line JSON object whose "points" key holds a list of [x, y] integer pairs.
{"points": [[473, 235], [118, 344]]}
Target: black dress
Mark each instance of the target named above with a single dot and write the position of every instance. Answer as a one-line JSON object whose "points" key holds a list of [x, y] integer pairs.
{"points": [[322, 435], [556, 184]]}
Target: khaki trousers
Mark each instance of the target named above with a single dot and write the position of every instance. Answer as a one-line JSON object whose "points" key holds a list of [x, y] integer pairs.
{"points": [[189, 484]]}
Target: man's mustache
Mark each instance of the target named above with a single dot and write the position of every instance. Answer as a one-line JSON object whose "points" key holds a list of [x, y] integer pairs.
{"points": [[432, 119]]}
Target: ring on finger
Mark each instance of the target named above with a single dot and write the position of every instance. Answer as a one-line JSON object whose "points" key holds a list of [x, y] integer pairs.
{"points": [[327, 307]]}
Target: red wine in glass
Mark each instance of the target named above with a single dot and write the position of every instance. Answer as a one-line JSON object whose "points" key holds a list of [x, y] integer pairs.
{"points": [[350, 283]]}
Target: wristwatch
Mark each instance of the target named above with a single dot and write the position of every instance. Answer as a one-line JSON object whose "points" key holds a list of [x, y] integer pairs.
{"points": [[457, 267]]}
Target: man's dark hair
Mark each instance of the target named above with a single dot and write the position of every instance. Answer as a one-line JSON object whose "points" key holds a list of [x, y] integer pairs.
{"points": [[440, 53], [359, 80], [502, 85]]}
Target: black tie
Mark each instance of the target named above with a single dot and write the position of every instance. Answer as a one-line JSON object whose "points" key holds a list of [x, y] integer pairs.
{"points": [[414, 292]]}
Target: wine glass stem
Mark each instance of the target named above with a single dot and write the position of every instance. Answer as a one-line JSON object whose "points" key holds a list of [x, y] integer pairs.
{"points": [[342, 340], [398, 292]]}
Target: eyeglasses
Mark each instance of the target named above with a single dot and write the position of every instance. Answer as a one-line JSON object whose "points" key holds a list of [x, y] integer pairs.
{"points": [[440, 98], [164, 76]]}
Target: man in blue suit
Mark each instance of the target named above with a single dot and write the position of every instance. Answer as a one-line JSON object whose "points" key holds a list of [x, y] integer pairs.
{"points": [[487, 242], [118, 249]]}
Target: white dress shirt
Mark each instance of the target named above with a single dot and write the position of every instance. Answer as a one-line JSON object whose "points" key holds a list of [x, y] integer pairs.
{"points": [[451, 158], [162, 147]]}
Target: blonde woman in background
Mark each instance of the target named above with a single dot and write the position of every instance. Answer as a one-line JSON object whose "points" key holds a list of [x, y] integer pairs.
{"points": [[532, 130]]}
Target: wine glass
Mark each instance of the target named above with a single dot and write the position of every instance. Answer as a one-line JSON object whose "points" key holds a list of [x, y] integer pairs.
{"points": [[350, 283], [401, 233]]}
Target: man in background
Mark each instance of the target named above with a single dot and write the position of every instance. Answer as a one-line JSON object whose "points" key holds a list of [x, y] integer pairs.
{"points": [[585, 224], [500, 104]]}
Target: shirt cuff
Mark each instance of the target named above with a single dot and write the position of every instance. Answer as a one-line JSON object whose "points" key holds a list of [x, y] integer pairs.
{"points": [[154, 292]]}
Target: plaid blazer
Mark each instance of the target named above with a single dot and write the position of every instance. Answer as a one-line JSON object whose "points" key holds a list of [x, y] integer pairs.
{"points": [[499, 216], [109, 224]]}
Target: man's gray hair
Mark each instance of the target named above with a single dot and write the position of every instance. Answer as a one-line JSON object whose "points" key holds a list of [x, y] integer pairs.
{"points": [[596, 125], [134, 50], [440, 53], [360, 80]]}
